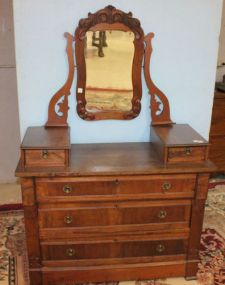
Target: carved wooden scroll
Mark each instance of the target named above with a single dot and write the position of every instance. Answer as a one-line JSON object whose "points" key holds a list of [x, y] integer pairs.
{"points": [[58, 106], [160, 109]]}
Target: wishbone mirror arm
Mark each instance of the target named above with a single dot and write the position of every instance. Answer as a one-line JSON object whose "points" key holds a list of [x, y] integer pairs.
{"points": [[159, 116], [54, 119]]}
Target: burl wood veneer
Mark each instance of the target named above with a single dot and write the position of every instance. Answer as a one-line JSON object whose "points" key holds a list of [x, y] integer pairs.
{"points": [[115, 213]]}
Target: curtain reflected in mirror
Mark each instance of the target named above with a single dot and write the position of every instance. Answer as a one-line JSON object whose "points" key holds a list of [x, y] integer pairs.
{"points": [[109, 59]]}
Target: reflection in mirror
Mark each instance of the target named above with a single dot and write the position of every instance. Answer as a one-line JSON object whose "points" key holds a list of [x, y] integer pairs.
{"points": [[109, 59]]}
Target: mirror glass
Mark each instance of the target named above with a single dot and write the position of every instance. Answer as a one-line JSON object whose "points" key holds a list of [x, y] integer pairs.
{"points": [[109, 59]]}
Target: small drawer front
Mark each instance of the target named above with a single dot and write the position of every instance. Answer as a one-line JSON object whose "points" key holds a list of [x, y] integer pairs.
{"points": [[115, 215], [43, 157], [113, 249], [109, 186], [187, 154]]}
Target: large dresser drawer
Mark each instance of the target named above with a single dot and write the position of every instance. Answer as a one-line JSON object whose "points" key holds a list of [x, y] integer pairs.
{"points": [[101, 249], [128, 213], [154, 186]]}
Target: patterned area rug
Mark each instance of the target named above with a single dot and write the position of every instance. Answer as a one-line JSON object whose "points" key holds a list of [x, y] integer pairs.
{"points": [[13, 260]]}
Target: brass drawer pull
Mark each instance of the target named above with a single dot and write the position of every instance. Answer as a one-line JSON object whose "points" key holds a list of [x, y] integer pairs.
{"points": [[67, 189], [188, 151], [70, 252], [162, 214], [166, 186], [45, 153], [160, 248], [68, 219]]}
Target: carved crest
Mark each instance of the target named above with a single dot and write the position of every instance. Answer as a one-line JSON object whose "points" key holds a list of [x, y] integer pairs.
{"points": [[110, 15]]}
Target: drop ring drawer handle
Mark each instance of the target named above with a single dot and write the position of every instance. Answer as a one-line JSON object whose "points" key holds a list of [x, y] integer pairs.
{"points": [[166, 186], [67, 189], [160, 248], [45, 153], [68, 219], [162, 214], [70, 252], [188, 151]]}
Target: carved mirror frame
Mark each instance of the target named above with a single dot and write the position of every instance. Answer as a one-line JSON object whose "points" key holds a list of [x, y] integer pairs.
{"points": [[109, 18]]}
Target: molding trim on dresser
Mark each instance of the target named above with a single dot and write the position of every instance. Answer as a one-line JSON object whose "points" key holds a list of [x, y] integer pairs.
{"points": [[116, 211]]}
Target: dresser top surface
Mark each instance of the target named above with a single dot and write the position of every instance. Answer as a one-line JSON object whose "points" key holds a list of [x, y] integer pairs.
{"points": [[41, 137], [179, 135], [114, 159]]}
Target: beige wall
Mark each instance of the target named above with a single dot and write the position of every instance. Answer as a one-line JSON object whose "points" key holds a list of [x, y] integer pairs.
{"points": [[9, 117]]}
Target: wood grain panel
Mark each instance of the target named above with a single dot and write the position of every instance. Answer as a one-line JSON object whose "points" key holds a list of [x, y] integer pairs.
{"points": [[37, 158], [155, 231], [154, 186], [112, 261], [114, 159], [186, 154], [113, 250], [32, 230], [119, 214], [138, 271]]}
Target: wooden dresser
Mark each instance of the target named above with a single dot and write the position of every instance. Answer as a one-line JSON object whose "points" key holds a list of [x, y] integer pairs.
{"points": [[119, 211], [217, 132], [113, 211]]}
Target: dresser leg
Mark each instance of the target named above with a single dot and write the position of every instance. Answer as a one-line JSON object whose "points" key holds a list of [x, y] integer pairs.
{"points": [[32, 230], [35, 277]]}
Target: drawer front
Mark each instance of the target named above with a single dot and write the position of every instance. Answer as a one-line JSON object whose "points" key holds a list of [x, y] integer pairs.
{"points": [[113, 249], [187, 154], [41, 157], [119, 214], [121, 186]]}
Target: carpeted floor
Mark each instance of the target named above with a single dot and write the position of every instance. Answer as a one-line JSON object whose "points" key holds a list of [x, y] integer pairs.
{"points": [[13, 261]]}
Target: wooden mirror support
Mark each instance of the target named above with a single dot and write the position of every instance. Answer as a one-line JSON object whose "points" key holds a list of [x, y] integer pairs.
{"points": [[160, 108], [110, 19], [58, 118]]}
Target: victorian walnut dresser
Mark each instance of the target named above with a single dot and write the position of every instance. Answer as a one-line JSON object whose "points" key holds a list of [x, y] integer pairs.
{"points": [[115, 211]]}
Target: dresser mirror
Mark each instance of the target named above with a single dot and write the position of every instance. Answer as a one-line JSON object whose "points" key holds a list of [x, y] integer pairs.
{"points": [[109, 51], [109, 59]]}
